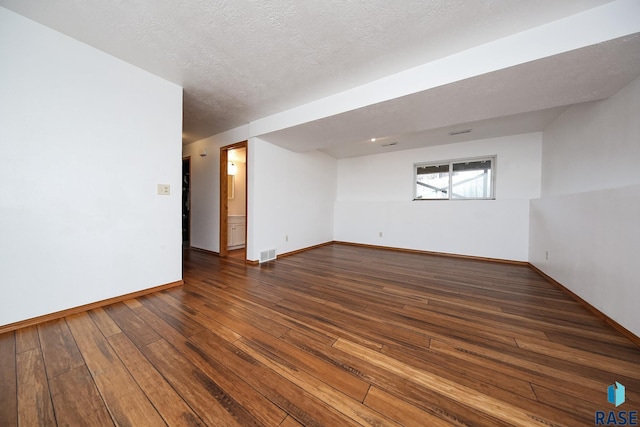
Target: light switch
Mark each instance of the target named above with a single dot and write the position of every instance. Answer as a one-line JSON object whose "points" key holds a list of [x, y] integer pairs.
{"points": [[164, 189]]}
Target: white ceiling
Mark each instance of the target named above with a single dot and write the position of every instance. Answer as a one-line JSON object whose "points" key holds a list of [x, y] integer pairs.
{"points": [[240, 61], [514, 100]]}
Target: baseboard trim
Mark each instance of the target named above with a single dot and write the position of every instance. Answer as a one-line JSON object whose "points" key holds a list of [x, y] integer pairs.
{"points": [[442, 254], [75, 310], [390, 248], [615, 325], [206, 251], [297, 251]]}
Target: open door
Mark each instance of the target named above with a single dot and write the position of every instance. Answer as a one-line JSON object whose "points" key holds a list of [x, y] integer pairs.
{"points": [[226, 192]]}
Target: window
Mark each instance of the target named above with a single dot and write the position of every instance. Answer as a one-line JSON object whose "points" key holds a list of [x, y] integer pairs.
{"points": [[455, 179]]}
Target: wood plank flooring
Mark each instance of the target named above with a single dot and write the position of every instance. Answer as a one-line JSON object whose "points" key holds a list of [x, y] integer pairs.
{"points": [[335, 336]]}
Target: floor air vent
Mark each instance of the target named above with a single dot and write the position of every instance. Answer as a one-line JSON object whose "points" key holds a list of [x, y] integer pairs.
{"points": [[268, 255]]}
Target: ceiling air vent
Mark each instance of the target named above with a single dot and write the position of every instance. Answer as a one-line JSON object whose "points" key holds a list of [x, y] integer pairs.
{"points": [[459, 132], [389, 144]]}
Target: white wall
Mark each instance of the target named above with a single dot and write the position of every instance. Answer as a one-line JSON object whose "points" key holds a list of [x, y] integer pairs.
{"points": [[205, 186], [375, 195], [594, 146], [84, 140], [587, 218], [290, 194]]}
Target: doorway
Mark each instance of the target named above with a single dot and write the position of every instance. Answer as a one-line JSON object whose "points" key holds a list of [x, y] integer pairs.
{"points": [[233, 199], [186, 202]]}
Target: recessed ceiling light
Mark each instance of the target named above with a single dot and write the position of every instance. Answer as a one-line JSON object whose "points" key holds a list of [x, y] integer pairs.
{"points": [[373, 140]]}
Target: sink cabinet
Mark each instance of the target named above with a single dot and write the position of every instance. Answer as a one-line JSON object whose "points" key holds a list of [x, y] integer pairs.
{"points": [[236, 228]]}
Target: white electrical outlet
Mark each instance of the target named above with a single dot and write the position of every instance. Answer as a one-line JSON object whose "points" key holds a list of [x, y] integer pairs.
{"points": [[546, 255], [286, 238], [164, 189], [380, 234]]}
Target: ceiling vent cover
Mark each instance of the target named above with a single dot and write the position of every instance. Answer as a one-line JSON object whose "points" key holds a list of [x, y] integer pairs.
{"points": [[268, 255], [459, 132]]}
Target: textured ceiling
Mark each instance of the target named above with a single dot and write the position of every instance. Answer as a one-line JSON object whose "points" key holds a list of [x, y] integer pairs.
{"points": [[239, 61], [519, 99]]}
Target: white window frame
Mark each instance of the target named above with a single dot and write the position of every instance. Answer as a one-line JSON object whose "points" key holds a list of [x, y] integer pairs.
{"points": [[492, 159]]}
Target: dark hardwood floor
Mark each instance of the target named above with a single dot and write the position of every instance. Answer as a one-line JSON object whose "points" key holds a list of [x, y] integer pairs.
{"points": [[335, 336]]}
